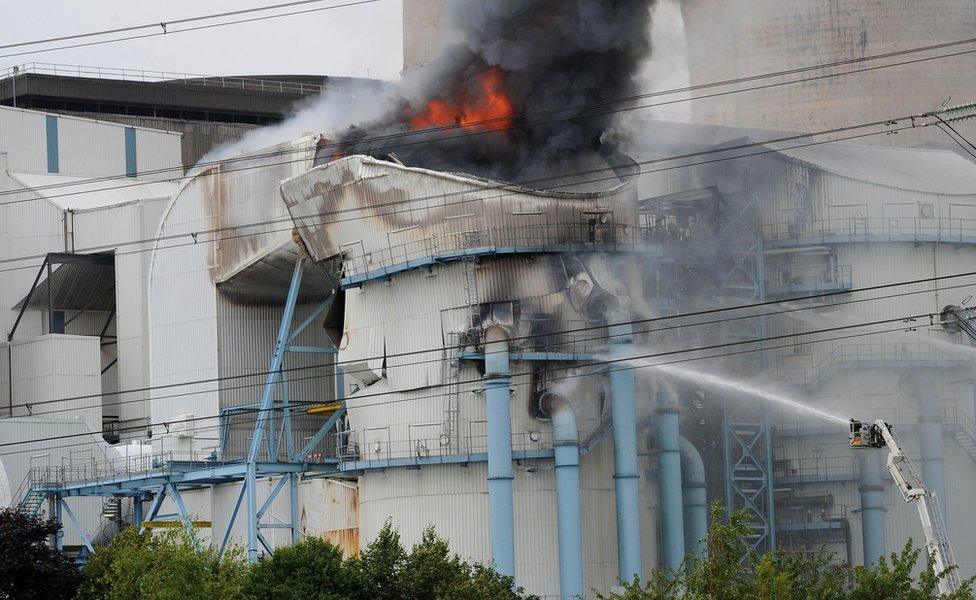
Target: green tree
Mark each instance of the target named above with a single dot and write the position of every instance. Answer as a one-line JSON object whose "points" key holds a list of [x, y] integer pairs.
{"points": [[29, 569], [892, 579], [166, 566], [733, 571], [311, 570]]}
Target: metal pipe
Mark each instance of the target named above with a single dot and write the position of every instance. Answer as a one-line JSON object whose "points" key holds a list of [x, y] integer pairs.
{"points": [[500, 474], [669, 482], [624, 417], [695, 499], [932, 446], [872, 507], [568, 514]]}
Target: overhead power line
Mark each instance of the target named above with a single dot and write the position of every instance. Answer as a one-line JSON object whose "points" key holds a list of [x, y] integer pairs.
{"points": [[165, 27], [477, 128], [583, 365], [524, 338], [306, 368], [195, 236]]}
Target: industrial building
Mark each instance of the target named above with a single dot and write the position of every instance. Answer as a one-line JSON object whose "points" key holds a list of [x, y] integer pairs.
{"points": [[207, 110], [275, 349]]}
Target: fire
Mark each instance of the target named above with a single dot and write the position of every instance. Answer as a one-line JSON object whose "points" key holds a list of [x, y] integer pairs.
{"points": [[489, 110]]}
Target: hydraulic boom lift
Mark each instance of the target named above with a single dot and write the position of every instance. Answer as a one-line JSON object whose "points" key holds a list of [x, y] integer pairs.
{"points": [[912, 489]]}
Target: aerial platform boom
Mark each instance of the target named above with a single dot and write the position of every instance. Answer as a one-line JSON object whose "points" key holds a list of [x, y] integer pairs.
{"points": [[912, 488]]}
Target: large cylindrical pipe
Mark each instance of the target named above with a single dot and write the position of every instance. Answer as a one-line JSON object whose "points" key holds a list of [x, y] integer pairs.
{"points": [[669, 482], [695, 499], [568, 516], [872, 507], [500, 475], [624, 416], [932, 446]]}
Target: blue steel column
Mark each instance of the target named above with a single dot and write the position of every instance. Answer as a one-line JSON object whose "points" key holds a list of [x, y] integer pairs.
{"points": [[669, 483], [59, 519], [932, 446], [624, 416], [500, 473], [695, 498], [293, 501], [277, 358], [137, 511], [872, 507], [568, 515]]}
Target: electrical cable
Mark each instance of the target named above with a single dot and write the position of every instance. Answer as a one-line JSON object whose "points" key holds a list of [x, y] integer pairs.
{"points": [[514, 376], [759, 340], [164, 26], [338, 145], [222, 389], [598, 328], [194, 236]]}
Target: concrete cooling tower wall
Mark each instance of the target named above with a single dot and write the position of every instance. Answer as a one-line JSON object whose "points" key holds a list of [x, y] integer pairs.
{"points": [[739, 38]]}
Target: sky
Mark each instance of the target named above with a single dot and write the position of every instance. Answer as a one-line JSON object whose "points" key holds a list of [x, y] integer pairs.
{"points": [[356, 41]]}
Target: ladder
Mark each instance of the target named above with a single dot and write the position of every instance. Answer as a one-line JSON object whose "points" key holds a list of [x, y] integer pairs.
{"points": [[456, 342]]}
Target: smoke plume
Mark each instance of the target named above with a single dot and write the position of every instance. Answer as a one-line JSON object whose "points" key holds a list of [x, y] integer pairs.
{"points": [[515, 58]]}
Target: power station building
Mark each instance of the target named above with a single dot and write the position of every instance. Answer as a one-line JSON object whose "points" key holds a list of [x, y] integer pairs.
{"points": [[559, 379]]}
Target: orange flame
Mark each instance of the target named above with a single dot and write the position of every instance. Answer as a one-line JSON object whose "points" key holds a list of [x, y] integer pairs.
{"points": [[490, 110]]}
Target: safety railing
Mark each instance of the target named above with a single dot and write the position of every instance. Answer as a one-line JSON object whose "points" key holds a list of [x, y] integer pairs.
{"points": [[94, 471], [868, 355], [359, 261], [788, 281], [142, 75], [857, 228], [814, 468], [427, 442]]}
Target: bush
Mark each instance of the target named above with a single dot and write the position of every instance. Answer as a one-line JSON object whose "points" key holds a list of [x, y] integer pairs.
{"points": [[166, 566], [29, 569], [733, 571], [313, 569]]}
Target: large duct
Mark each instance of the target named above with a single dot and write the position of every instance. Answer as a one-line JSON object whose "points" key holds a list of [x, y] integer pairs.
{"points": [[669, 481], [695, 498], [500, 475], [568, 514], [872, 506], [624, 416]]}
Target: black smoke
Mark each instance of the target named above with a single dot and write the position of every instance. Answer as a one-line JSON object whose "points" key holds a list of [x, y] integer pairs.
{"points": [[554, 54]]}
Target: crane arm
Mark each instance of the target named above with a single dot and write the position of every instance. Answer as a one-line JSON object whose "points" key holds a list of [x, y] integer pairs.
{"points": [[912, 488]]}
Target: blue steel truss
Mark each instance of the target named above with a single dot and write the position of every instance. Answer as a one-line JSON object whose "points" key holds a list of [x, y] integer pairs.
{"points": [[166, 479], [747, 435]]}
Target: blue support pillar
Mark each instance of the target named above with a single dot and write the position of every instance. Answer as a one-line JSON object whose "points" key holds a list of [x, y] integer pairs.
{"points": [[293, 505], [251, 506], [932, 445], [137, 511], [695, 499], [623, 389], [59, 519], [669, 483], [264, 415], [568, 514], [872, 507], [500, 473]]}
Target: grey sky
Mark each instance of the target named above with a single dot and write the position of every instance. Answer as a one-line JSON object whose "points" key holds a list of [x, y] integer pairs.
{"points": [[357, 41]]}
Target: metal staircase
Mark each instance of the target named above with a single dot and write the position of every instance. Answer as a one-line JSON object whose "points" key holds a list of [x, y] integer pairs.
{"points": [[32, 500], [962, 428]]}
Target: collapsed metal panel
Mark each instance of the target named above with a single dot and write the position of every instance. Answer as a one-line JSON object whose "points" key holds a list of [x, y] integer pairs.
{"points": [[376, 214]]}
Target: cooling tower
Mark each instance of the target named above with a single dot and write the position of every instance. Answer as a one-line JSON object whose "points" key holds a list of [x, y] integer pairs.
{"points": [[737, 38]]}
